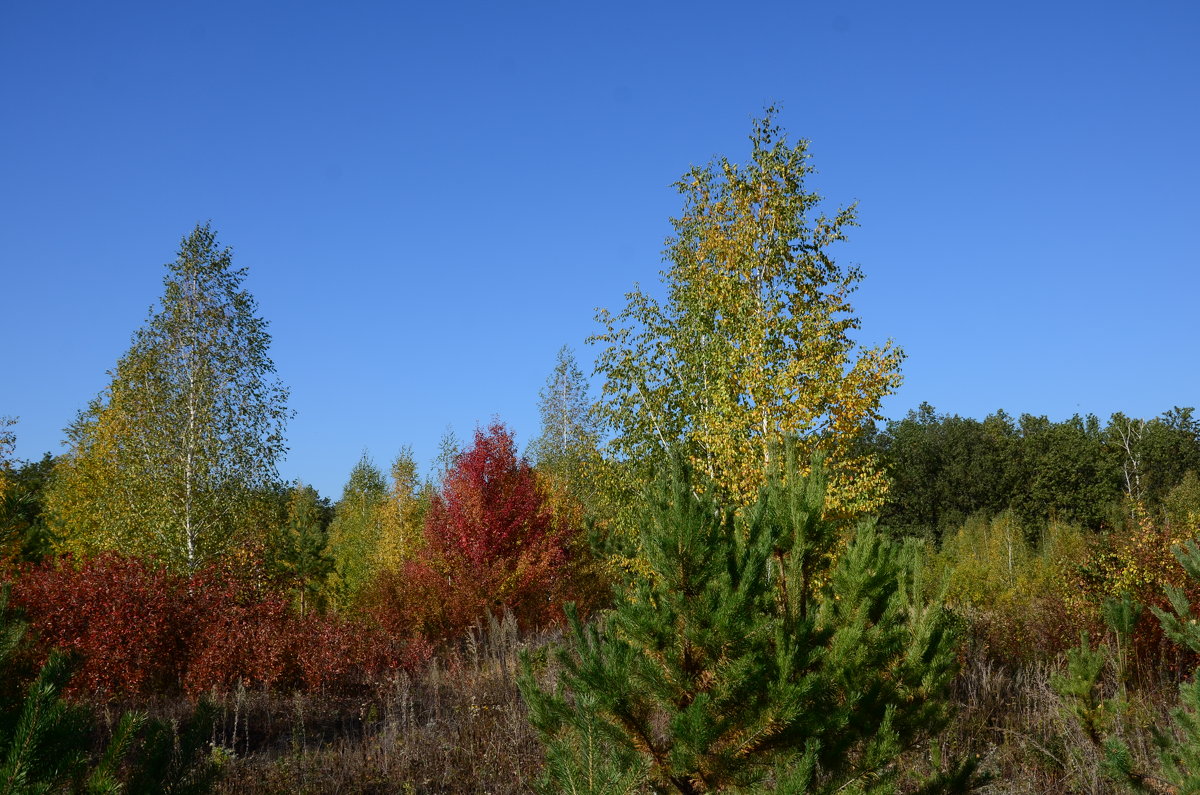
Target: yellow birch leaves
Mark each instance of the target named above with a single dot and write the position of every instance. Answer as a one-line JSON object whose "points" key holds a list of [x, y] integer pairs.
{"points": [[751, 344]]}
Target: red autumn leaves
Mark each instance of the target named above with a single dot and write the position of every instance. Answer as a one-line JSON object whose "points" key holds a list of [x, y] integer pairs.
{"points": [[491, 544], [138, 629]]}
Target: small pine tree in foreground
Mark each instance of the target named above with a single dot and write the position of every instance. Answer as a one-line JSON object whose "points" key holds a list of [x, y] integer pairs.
{"points": [[748, 658], [1178, 745]]}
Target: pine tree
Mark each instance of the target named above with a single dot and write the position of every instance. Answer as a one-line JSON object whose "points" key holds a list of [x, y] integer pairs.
{"points": [[747, 658], [189, 429], [301, 547]]}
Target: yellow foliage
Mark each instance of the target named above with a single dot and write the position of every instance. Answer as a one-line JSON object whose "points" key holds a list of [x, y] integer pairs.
{"points": [[988, 560], [1021, 596], [753, 343], [1140, 559], [93, 504], [557, 498], [401, 515]]}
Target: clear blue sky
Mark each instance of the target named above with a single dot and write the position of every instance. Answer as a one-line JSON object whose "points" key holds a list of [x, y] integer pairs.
{"points": [[432, 198]]}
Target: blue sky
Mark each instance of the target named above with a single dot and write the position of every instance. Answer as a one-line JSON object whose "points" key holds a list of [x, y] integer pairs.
{"points": [[432, 198]]}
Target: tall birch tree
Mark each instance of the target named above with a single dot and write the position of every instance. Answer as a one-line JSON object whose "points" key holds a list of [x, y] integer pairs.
{"points": [[752, 343], [169, 457]]}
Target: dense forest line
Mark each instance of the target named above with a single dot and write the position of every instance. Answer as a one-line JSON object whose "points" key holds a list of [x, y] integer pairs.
{"points": [[944, 468], [941, 470], [724, 572]]}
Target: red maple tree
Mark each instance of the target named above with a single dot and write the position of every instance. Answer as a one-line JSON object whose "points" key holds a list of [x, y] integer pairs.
{"points": [[492, 544]]}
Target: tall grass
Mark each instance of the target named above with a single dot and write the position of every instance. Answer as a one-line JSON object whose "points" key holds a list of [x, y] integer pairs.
{"points": [[458, 725], [1011, 718]]}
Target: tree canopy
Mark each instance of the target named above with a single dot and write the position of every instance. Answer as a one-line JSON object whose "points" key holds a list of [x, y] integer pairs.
{"points": [[165, 460], [752, 343]]}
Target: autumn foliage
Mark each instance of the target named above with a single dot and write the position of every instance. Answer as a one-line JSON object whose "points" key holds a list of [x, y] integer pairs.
{"points": [[138, 629], [492, 543]]}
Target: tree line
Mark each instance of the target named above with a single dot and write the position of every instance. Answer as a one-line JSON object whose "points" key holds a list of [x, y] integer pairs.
{"points": [[945, 468]]}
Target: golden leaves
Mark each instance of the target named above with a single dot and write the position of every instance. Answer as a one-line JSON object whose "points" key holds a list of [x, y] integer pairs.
{"points": [[752, 344], [401, 515]]}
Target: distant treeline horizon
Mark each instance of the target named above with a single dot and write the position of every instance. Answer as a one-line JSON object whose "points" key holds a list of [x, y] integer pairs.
{"points": [[943, 468]]}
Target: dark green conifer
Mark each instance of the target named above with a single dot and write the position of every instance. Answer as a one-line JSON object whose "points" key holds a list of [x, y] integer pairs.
{"points": [[300, 549], [748, 659]]}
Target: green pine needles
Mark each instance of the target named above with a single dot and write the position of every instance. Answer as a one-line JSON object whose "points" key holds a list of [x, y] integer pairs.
{"points": [[756, 657]]}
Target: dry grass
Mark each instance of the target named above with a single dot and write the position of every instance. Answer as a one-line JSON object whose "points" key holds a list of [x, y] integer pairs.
{"points": [[1014, 722], [457, 726]]}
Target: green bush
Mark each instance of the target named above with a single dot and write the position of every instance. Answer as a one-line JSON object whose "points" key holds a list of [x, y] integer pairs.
{"points": [[1021, 598]]}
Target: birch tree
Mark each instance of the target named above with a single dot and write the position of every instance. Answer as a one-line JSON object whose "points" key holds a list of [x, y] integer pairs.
{"points": [[402, 514], [753, 340], [167, 459], [8, 443], [569, 433]]}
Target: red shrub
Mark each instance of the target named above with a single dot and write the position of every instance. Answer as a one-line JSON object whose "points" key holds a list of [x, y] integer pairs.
{"points": [[140, 630], [337, 652], [128, 621], [492, 543], [238, 636]]}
